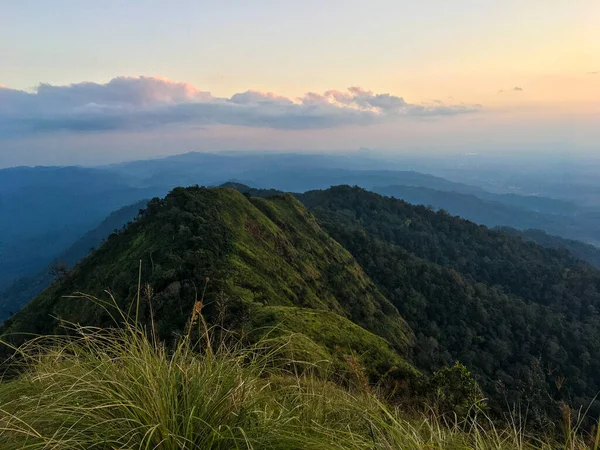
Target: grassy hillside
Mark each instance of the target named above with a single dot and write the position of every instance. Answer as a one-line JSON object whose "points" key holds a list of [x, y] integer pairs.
{"points": [[247, 254], [120, 389]]}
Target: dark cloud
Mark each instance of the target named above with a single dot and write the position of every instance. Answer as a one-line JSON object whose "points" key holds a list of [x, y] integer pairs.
{"points": [[517, 88], [127, 103]]}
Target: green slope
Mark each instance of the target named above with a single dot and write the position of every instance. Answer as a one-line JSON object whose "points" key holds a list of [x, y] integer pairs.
{"points": [[524, 318], [319, 336], [256, 253]]}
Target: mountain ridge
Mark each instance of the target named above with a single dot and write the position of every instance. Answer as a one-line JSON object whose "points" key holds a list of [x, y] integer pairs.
{"points": [[26, 194], [256, 255]]}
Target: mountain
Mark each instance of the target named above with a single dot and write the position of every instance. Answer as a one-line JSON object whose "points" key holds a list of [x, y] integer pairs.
{"points": [[267, 260], [74, 200], [394, 283], [72, 196], [468, 206], [45, 209], [536, 203], [286, 172], [524, 318], [301, 172], [24, 289], [494, 210], [578, 249], [209, 168]]}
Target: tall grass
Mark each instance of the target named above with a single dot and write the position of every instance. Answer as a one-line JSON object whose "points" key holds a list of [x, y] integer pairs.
{"points": [[116, 389], [120, 389]]}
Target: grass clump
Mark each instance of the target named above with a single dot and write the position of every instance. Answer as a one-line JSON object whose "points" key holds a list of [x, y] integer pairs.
{"points": [[119, 388]]}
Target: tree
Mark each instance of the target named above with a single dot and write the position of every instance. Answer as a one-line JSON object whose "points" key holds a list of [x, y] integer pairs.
{"points": [[58, 270], [454, 390]]}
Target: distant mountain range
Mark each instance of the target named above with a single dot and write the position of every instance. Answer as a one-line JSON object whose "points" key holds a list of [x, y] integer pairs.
{"points": [[578, 249], [45, 210], [24, 289], [554, 216]]}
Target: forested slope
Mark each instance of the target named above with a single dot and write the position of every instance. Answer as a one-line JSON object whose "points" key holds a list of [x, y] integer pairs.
{"points": [[524, 318], [580, 250]]}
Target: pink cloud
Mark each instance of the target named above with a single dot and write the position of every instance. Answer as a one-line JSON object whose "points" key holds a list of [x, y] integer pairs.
{"points": [[144, 102]]}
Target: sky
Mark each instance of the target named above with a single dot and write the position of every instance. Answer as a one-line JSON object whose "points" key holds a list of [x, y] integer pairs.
{"points": [[92, 82]]}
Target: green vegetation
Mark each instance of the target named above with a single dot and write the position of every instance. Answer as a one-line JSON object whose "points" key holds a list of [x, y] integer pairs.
{"points": [[119, 389], [555, 216], [523, 318], [365, 291], [255, 253], [581, 250], [323, 336]]}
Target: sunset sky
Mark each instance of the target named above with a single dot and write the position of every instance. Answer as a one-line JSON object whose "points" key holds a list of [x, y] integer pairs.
{"points": [[398, 76]]}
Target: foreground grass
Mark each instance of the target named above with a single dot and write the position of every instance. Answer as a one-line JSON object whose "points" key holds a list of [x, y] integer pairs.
{"points": [[118, 389]]}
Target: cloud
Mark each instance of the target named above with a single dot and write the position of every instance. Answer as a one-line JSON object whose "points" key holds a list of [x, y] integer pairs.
{"points": [[130, 103], [592, 73], [257, 97], [517, 88]]}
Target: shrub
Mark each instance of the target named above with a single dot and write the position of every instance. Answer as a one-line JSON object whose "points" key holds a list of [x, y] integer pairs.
{"points": [[454, 390]]}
